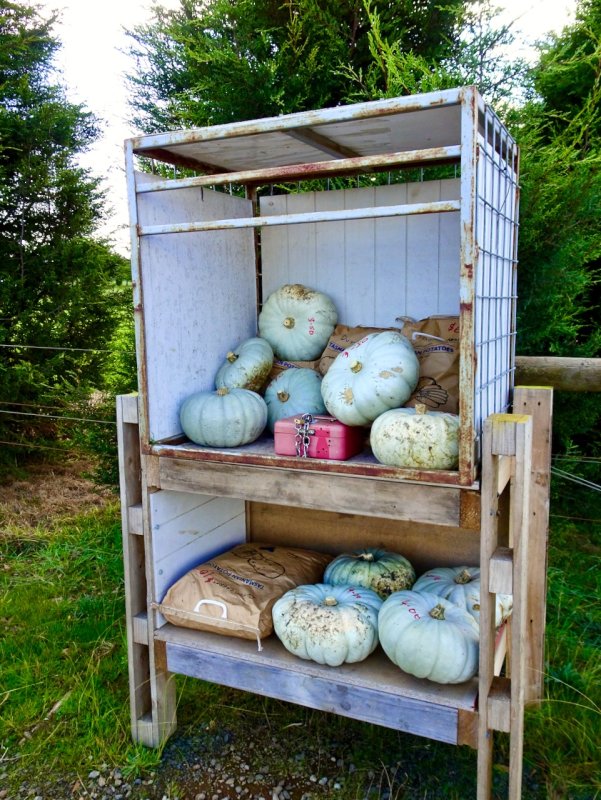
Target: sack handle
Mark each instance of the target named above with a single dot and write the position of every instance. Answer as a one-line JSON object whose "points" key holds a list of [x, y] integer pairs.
{"points": [[221, 605]]}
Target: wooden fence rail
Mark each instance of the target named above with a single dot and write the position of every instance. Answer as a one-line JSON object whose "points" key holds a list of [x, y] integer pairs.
{"points": [[563, 374]]}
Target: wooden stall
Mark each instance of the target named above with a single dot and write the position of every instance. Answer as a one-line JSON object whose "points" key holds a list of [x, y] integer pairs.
{"points": [[258, 204]]}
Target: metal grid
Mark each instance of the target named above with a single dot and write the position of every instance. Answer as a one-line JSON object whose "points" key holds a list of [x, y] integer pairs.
{"points": [[495, 279]]}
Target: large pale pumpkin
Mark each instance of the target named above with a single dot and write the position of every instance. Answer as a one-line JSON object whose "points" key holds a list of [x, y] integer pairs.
{"points": [[297, 322], [416, 438], [246, 366], [294, 391], [461, 585], [225, 418], [377, 373], [328, 624], [429, 637], [379, 570]]}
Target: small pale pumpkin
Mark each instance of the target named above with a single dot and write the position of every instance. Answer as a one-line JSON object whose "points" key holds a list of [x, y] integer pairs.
{"points": [[461, 585], [377, 373], [246, 366], [328, 624], [224, 418], [379, 570], [429, 637], [416, 438], [297, 322], [294, 391]]}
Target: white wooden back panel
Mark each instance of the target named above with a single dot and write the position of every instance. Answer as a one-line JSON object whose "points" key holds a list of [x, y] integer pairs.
{"points": [[199, 295], [374, 270], [188, 529]]}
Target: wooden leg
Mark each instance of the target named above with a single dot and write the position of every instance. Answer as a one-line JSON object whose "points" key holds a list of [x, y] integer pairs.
{"points": [[134, 563], [151, 688]]}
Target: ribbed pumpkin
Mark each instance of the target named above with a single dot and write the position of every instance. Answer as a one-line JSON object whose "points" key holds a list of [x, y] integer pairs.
{"points": [[294, 391], [416, 438], [429, 637], [461, 585], [370, 377], [297, 322], [328, 624], [224, 418], [379, 570], [247, 366]]}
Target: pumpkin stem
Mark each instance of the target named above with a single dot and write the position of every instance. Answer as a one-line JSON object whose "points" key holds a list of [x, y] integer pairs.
{"points": [[463, 577], [437, 612], [223, 391], [283, 396], [231, 357], [289, 322], [420, 408], [356, 366], [330, 601], [366, 556]]}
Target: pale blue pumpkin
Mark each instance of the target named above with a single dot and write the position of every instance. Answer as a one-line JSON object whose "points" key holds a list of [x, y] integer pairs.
{"points": [[377, 373], [461, 585], [294, 391], [224, 418], [379, 570], [429, 637], [328, 624], [297, 322], [247, 366]]}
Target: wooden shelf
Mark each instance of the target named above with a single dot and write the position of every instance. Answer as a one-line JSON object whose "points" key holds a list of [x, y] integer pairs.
{"points": [[374, 690]]}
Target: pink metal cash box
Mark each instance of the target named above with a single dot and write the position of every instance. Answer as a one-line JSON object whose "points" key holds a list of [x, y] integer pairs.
{"points": [[317, 436]]}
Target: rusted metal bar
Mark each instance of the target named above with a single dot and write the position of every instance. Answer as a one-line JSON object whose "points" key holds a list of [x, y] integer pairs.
{"points": [[313, 170], [296, 219], [563, 374], [302, 119]]}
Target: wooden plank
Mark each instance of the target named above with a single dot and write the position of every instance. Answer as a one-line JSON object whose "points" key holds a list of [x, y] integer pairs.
{"points": [[488, 544], [373, 690], [138, 665], [499, 705], [438, 505], [129, 408], [520, 515], [424, 546], [140, 626], [500, 580], [539, 404], [559, 372], [134, 519], [504, 473]]}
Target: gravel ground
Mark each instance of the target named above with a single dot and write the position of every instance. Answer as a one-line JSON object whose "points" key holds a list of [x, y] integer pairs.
{"points": [[212, 767]]}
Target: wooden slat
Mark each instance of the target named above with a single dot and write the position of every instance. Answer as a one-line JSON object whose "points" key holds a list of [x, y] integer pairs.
{"points": [[140, 628], [538, 403], [129, 408], [438, 505], [425, 546]]}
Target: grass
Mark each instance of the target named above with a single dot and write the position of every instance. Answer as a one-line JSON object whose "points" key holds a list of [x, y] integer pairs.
{"points": [[64, 707]]}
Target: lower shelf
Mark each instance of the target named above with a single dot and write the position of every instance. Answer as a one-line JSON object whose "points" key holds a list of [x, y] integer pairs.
{"points": [[374, 690]]}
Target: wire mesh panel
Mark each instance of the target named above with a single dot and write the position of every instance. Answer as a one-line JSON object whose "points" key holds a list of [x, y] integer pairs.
{"points": [[495, 277]]}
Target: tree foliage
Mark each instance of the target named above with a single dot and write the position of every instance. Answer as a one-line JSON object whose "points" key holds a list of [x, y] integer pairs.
{"points": [[56, 279], [560, 231], [225, 60]]}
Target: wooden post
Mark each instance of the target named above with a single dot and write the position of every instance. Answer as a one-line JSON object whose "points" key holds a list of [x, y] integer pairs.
{"points": [[501, 701], [133, 562], [567, 374], [151, 688], [538, 402]]}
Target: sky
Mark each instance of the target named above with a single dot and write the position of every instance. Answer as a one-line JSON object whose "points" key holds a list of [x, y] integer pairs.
{"points": [[92, 64]]}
